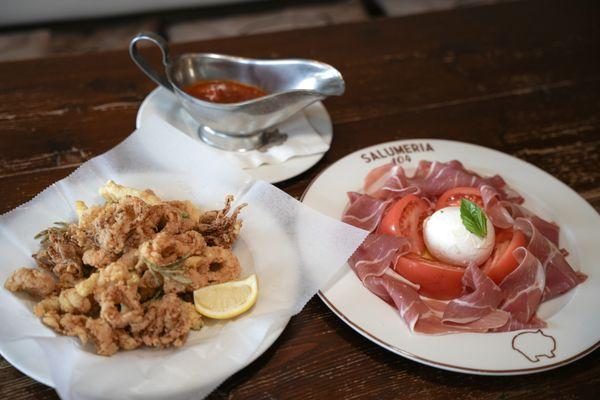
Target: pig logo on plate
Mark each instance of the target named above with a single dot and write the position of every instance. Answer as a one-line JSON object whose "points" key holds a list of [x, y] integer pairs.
{"points": [[534, 345]]}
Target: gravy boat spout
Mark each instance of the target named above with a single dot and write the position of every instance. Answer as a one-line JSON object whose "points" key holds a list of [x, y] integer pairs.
{"points": [[290, 84]]}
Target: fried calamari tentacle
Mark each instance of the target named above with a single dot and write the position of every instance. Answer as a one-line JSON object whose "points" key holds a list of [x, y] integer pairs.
{"points": [[116, 291], [48, 310], [48, 305], [166, 249], [35, 282], [116, 228], [74, 325], [150, 285], [165, 255], [169, 321], [121, 226], [218, 228], [196, 322], [61, 254], [101, 334], [215, 265], [125, 340], [188, 210], [120, 305], [77, 299], [169, 218], [72, 302], [86, 287]]}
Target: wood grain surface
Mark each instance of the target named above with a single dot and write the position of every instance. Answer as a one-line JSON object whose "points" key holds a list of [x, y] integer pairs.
{"points": [[520, 77]]}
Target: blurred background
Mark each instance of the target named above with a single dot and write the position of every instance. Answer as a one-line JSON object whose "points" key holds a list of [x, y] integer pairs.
{"points": [[43, 28]]}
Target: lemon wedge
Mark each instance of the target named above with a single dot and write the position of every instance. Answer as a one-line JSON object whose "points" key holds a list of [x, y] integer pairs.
{"points": [[227, 300]]}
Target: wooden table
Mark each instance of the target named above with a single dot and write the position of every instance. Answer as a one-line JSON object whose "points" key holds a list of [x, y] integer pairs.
{"points": [[521, 77]]}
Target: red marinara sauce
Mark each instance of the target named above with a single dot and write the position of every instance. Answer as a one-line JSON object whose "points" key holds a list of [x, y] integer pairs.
{"points": [[223, 91]]}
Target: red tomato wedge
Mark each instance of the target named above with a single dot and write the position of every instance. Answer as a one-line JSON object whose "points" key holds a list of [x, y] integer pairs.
{"points": [[437, 280], [502, 262], [453, 196], [405, 218]]}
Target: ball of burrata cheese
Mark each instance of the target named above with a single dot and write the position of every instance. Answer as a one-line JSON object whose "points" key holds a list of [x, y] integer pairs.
{"points": [[448, 240]]}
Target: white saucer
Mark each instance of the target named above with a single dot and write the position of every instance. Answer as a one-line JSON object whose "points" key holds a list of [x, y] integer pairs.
{"points": [[163, 104], [573, 325]]}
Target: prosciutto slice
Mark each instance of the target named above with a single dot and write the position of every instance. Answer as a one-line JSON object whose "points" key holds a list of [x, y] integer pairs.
{"points": [[549, 229], [504, 213], [406, 299], [431, 179], [484, 297], [560, 276], [515, 325], [376, 254], [523, 288], [364, 211], [495, 208], [389, 181], [425, 316]]}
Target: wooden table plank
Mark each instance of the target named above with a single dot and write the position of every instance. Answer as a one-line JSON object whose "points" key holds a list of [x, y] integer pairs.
{"points": [[569, 150], [521, 77], [384, 73]]}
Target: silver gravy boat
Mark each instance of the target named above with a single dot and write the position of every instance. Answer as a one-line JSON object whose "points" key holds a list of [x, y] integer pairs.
{"points": [[291, 84]]}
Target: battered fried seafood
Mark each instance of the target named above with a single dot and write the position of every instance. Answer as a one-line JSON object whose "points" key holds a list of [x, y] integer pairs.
{"points": [[121, 276]]}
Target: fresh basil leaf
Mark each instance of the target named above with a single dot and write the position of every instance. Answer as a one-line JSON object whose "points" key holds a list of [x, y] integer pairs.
{"points": [[473, 218]]}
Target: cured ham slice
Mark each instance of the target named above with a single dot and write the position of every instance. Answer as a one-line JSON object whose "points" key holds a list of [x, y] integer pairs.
{"points": [[488, 322], [515, 325], [495, 208], [406, 300], [504, 213], [377, 177], [483, 298], [560, 277], [423, 316], [389, 181], [549, 229], [364, 211], [431, 179], [376, 254], [523, 288], [435, 178]]}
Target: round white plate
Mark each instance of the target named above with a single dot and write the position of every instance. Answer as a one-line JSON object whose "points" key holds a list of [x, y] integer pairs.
{"points": [[164, 105], [31, 359], [573, 324]]}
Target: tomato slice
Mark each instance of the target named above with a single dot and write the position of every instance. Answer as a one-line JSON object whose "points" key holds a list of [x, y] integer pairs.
{"points": [[437, 280], [453, 196], [405, 218], [502, 262]]}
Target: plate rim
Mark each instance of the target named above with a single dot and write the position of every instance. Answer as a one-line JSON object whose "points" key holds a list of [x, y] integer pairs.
{"points": [[47, 380], [310, 160], [448, 367], [44, 374], [422, 360]]}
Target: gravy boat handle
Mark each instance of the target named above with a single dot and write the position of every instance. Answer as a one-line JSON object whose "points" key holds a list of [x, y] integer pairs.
{"points": [[143, 64]]}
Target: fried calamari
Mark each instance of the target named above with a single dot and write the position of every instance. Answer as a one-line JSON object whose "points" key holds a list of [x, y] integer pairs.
{"points": [[120, 276]]}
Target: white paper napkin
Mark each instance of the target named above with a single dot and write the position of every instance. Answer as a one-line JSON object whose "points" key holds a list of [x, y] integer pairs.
{"points": [[293, 249], [301, 140]]}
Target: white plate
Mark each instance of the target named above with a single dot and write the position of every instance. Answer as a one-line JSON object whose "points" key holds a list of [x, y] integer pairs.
{"points": [[32, 361], [163, 104], [573, 324]]}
